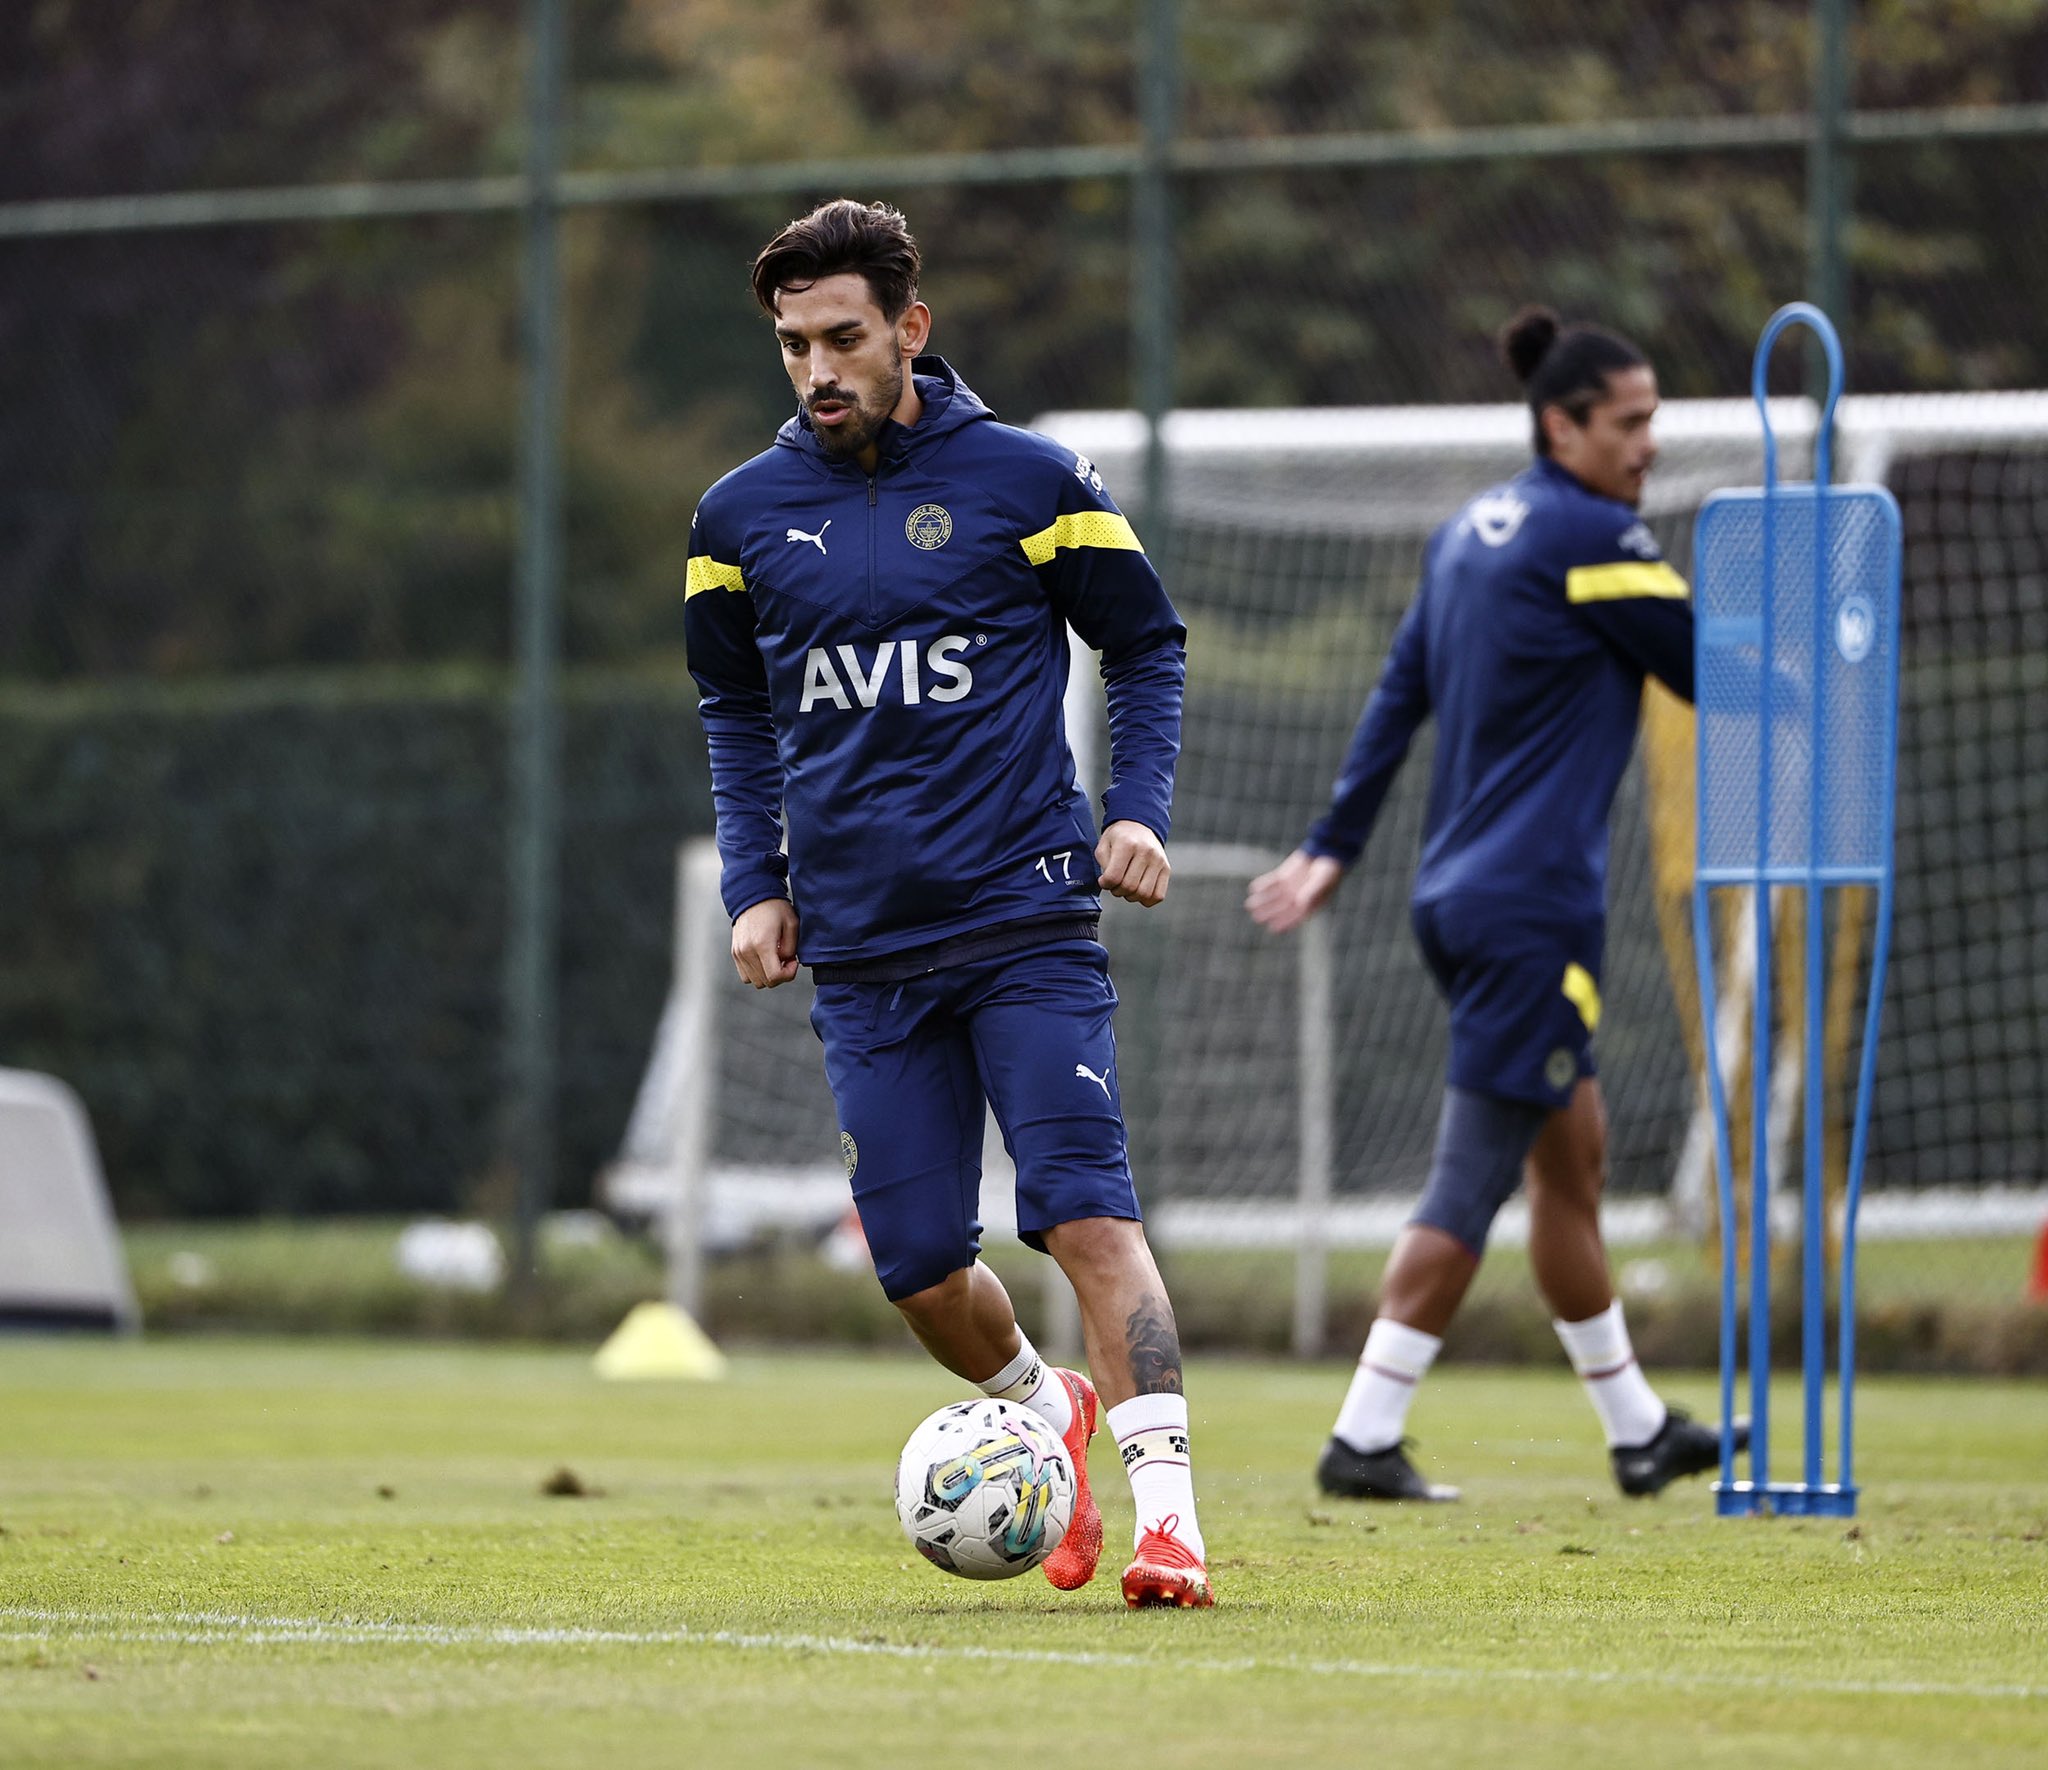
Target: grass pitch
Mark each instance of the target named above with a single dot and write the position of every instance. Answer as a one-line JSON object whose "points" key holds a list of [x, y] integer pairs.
{"points": [[237, 1554]]}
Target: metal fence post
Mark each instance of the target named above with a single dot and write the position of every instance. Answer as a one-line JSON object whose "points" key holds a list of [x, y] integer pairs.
{"points": [[534, 759], [1828, 170], [1152, 254]]}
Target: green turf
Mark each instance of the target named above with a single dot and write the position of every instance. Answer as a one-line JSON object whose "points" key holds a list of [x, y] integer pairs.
{"points": [[340, 1275], [235, 1493], [1925, 1306], [1980, 1269]]}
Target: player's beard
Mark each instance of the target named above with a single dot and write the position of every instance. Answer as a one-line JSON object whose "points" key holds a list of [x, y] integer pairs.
{"points": [[866, 417]]}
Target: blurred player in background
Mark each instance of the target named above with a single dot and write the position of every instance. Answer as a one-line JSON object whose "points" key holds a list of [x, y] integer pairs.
{"points": [[1543, 606], [877, 616]]}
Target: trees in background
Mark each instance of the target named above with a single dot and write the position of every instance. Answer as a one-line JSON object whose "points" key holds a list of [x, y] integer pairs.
{"points": [[248, 448]]}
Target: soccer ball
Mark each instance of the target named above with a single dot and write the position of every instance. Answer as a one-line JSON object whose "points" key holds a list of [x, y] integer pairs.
{"points": [[985, 1489]]}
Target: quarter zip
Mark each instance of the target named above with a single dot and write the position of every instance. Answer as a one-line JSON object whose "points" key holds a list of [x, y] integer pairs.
{"points": [[873, 603]]}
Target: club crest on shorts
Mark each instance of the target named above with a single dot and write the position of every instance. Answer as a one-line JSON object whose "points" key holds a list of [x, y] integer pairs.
{"points": [[1560, 1070], [849, 1152], [928, 526]]}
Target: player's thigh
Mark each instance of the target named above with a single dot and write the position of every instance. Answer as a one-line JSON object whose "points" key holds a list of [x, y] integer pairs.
{"points": [[901, 1069], [1524, 992], [1046, 1050]]}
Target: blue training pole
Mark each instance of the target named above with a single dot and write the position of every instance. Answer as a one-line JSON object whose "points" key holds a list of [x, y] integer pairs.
{"points": [[1814, 672]]}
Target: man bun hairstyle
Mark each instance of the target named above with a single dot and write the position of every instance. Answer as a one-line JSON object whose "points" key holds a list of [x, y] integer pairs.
{"points": [[1563, 365], [870, 239]]}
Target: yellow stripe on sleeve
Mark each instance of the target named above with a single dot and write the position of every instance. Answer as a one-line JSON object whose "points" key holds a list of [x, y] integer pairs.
{"points": [[1085, 528], [707, 573], [1627, 578], [1583, 994]]}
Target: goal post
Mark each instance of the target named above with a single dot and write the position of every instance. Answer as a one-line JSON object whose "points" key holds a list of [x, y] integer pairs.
{"points": [[732, 1131], [1293, 549]]}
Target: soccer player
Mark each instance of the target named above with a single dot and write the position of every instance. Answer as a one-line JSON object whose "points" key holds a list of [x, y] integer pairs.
{"points": [[1543, 605], [877, 615]]}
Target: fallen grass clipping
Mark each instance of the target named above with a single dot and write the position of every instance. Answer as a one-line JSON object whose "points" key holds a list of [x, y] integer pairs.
{"points": [[238, 1553]]}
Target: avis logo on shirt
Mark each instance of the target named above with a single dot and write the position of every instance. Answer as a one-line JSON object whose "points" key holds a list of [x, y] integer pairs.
{"points": [[845, 678]]}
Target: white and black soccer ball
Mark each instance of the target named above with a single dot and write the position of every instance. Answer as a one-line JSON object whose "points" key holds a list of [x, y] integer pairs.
{"points": [[985, 1489]]}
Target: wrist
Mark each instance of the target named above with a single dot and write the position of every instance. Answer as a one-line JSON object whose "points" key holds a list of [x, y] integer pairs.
{"points": [[1136, 823]]}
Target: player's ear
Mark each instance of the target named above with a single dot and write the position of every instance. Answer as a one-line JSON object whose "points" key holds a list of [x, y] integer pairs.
{"points": [[914, 329]]}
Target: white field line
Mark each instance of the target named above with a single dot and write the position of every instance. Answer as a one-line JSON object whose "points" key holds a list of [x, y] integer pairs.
{"points": [[213, 1629]]}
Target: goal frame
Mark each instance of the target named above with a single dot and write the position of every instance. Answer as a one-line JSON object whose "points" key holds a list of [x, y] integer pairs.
{"points": [[678, 1107], [670, 1172]]}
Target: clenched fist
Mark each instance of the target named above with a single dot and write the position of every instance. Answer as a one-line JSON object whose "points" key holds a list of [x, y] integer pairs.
{"points": [[1133, 863], [764, 943]]}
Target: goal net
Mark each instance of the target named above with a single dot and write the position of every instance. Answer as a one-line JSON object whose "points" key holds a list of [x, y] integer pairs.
{"points": [[1283, 1103]]}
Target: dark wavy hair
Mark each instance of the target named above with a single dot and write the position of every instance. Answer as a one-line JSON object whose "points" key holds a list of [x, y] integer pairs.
{"points": [[1561, 365], [871, 239]]}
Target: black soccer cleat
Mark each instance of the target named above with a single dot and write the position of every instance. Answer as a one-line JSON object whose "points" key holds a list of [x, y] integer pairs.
{"points": [[1375, 1475], [1682, 1447]]}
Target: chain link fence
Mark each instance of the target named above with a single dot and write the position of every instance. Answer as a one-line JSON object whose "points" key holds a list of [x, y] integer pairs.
{"points": [[261, 303]]}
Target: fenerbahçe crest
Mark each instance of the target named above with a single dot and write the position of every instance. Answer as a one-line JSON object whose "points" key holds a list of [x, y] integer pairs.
{"points": [[928, 526]]}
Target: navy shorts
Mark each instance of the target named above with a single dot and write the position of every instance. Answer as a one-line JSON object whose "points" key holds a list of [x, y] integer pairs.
{"points": [[911, 1064], [1524, 990]]}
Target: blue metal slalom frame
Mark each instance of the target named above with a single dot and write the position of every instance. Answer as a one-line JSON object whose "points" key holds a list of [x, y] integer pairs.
{"points": [[1781, 720]]}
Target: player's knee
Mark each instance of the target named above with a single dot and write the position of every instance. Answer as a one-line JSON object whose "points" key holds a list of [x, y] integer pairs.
{"points": [[1572, 1170], [1095, 1244], [917, 1242], [1481, 1144], [927, 1277], [1575, 1183], [932, 1303]]}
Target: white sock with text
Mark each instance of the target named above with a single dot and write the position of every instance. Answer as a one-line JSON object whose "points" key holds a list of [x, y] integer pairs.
{"points": [[1151, 1433], [1029, 1381]]}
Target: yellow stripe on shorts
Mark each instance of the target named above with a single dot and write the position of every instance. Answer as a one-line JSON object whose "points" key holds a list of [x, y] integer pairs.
{"points": [[1583, 994]]}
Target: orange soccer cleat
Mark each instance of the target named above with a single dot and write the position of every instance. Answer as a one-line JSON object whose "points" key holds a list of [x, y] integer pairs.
{"points": [[1072, 1564], [1165, 1571]]}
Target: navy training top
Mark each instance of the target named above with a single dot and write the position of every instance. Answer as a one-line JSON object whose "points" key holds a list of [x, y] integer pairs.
{"points": [[1542, 607], [884, 658]]}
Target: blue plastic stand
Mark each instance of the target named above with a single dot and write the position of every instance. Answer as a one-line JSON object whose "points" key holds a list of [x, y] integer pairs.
{"points": [[1796, 605]]}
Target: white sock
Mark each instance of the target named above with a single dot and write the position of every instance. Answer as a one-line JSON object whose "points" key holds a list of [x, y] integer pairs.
{"points": [[1395, 1360], [1028, 1380], [1151, 1433], [1600, 1352]]}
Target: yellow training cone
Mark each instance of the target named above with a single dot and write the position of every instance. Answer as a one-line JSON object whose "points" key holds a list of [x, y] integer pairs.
{"points": [[658, 1340]]}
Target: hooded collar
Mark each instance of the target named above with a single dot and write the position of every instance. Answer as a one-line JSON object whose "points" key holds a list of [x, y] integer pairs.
{"points": [[1544, 467], [949, 403]]}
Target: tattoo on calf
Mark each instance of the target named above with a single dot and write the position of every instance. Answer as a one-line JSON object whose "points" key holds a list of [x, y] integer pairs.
{"points": [[1154, 1347]]}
